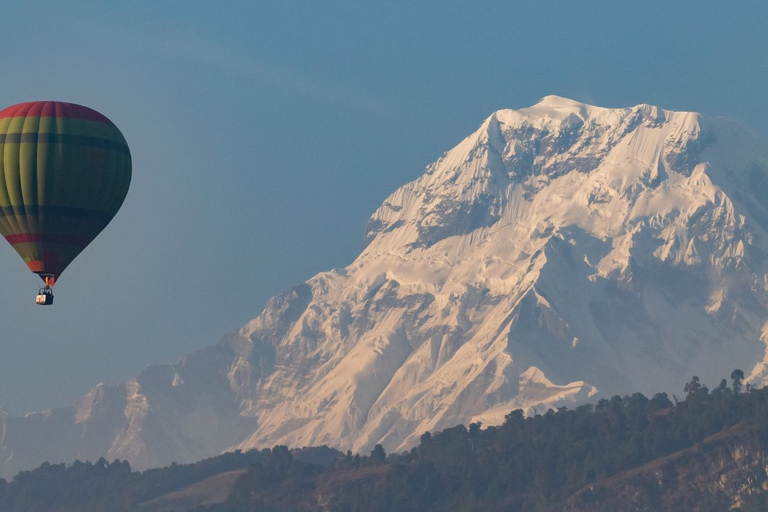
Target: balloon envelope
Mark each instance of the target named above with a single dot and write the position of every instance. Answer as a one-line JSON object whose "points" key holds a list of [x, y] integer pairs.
{"points": [[64, 173]]}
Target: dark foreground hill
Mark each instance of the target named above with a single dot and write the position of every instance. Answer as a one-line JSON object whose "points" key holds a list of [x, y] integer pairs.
{"points": [[704, 453]]}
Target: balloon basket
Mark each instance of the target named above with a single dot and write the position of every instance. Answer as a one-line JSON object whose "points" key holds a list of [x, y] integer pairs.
{"points": [[44, 297]]}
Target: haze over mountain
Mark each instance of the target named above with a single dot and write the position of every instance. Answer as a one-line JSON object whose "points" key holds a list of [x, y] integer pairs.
{"points": [[561, 253]]}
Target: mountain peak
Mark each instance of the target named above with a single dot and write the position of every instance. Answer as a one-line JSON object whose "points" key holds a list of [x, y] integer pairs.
{"points": [[516, 154], [561, 253], [558, 107], [554, 101]]}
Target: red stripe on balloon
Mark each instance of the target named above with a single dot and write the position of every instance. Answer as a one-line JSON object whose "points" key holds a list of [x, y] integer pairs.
{"points": [[53, 109], [49, 238]]}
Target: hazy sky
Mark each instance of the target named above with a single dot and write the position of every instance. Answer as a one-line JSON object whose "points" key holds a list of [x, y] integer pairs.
{"points": [[264, 134]]}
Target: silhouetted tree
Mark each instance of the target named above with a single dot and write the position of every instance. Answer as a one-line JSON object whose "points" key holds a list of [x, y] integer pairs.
{"points": [[693, 386], [737, 376], [378, 456]]}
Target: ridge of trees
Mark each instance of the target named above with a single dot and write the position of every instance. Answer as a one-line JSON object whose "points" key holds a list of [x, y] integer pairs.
{"points": [[525, 464]]}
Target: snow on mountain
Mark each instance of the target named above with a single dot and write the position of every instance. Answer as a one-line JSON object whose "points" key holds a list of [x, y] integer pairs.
{"points": [[559, 254]]}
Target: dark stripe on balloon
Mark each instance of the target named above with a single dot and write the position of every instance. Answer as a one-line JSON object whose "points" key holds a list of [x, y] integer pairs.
{"points": [[62, 138], [58, 211], [46, 238]]}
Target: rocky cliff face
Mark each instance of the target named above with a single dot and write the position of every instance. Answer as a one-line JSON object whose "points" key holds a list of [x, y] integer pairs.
{"points": [[560, 253]]}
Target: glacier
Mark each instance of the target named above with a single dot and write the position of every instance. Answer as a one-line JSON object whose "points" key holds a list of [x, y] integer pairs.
{"points": [[560, 254]]}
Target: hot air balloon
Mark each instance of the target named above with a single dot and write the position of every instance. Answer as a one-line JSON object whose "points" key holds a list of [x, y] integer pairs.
{"points": [[64, 173]]}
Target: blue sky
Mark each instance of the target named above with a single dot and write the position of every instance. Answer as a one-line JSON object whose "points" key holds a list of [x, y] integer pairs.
{"points": [[264, 134]]}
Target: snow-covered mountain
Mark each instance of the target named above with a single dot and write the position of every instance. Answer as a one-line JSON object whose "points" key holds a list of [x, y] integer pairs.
{"points": [[559, 254]]}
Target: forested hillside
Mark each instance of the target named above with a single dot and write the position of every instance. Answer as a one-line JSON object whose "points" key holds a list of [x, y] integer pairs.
{"points": [[703, 452]]}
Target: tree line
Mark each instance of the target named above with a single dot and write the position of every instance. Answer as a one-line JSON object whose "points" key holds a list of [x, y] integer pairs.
{"points": [[527, 464]]}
